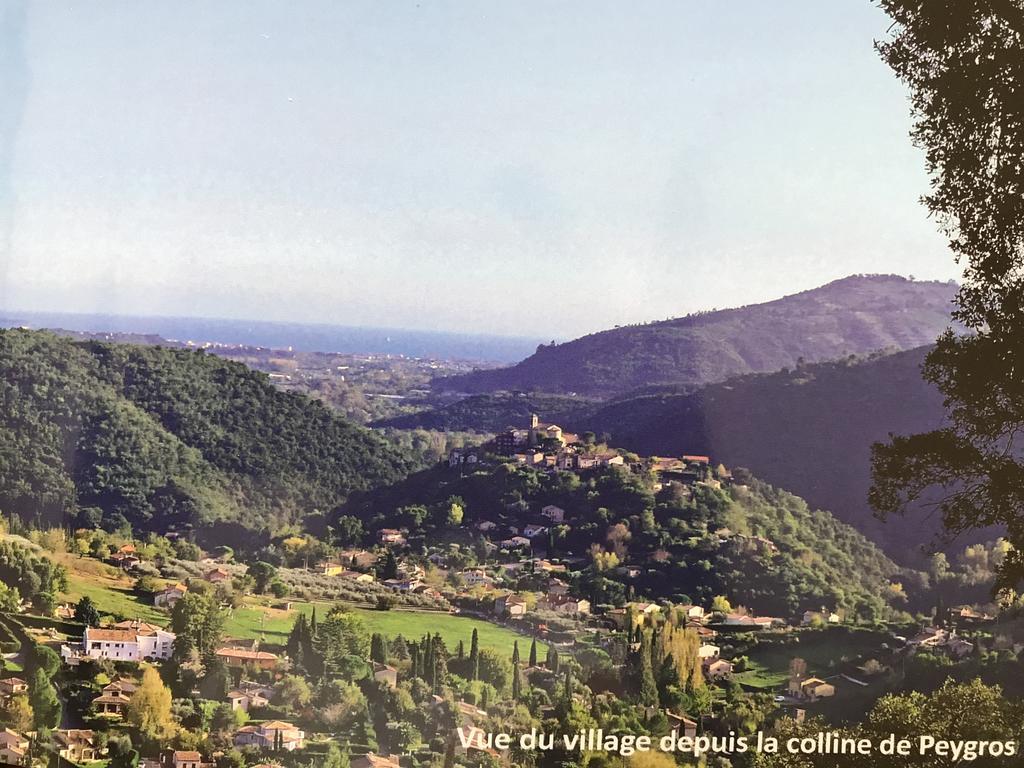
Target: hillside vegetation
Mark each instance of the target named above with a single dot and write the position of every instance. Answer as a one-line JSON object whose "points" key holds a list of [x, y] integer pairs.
{"points": [[108, 433], [809, 429], [760, 546], [855, 315]]}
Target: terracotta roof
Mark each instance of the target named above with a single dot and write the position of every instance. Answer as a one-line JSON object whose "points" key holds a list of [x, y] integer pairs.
{"points": [[112, 635], [183, 754]]}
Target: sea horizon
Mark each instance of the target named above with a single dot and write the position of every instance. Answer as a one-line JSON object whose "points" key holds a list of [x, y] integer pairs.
{"points": [[300, 336]]}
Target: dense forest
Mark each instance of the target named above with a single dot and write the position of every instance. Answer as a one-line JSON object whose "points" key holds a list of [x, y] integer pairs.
{"points": [[760, 546], [159, 438], [856, 315]]}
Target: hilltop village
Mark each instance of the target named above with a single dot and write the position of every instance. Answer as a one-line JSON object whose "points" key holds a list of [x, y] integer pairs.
{"points": [[280, 657]]}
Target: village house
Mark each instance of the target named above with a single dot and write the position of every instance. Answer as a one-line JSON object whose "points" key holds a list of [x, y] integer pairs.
{"points": [[185, 758], [474, 577], [248, 697], [557, 587], [708, 651], [717, 669], [357, 576], [405, 584], [13, 748], [371, 760], [486, 525], [357, 558], [110, 703], [754, 622], [218, 576], [236, 658], [391, 536], [124, 560], [553, 513], [680, 725], [65, 612], [564, 604], [532, 530], [383, 673], [328, 568], [169, 595], [275, 734], [76, 745], [124, 641], [811, 689], [12, 686], [511, 606]]}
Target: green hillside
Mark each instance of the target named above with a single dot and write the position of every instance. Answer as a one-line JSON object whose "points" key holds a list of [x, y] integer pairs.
{"points": [[855, 315], [808, 429], [161, 438], [687, 543]]}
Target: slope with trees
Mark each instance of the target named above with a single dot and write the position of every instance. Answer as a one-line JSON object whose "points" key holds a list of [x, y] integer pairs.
{"points": [[855, 315]]}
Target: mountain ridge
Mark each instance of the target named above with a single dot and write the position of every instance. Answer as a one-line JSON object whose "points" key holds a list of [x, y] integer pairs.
{"points": [[853, 315]]}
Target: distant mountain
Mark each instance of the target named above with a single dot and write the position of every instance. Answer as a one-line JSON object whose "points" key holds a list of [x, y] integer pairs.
{"points": [[808, 429], [855, 315], [94, 433]]}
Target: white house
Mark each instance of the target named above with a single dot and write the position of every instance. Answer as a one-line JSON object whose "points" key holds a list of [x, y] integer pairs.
{"points": [[532, 530], [271, 735], [553, 513], [125, 641]]}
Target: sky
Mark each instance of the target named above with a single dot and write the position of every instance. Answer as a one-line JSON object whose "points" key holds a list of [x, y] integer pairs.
{"points": [[520, 168]]}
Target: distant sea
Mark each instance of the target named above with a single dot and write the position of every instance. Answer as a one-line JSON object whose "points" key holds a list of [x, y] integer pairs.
{"points": [[306, 337]]}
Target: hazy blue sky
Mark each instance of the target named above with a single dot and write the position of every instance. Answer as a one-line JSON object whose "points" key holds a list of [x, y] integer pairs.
{"points": [[543, 168]]}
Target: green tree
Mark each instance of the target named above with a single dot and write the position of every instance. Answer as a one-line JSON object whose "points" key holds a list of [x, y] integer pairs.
{"points": [[962, 64], [262, 575], [43, 700], [198, 622]]}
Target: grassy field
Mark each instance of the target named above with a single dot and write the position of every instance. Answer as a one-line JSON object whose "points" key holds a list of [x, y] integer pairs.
{"points": [[824, 651], [275, 624], [112, 595]]}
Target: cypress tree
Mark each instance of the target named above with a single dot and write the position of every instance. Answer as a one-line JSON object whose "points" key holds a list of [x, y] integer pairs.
{"points": [[474, 656], [378, 648], [648, 688], [533, 652], [552, 660], [515, 653]]}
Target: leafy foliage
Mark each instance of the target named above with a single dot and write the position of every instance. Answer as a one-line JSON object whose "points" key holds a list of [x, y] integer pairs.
{"points": [[158, 437], [963, 66]]}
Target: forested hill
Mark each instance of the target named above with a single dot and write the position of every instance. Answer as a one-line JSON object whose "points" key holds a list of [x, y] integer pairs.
{"points": [[854, 315], [761, 546], [163, 437], [809, 429]]}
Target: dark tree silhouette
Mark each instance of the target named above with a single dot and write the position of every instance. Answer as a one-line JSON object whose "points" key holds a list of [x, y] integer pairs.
{"points": [[963, 61]]}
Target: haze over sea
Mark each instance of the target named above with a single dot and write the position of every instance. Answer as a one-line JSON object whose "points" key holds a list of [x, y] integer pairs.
{"points": [[308, 337]]}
